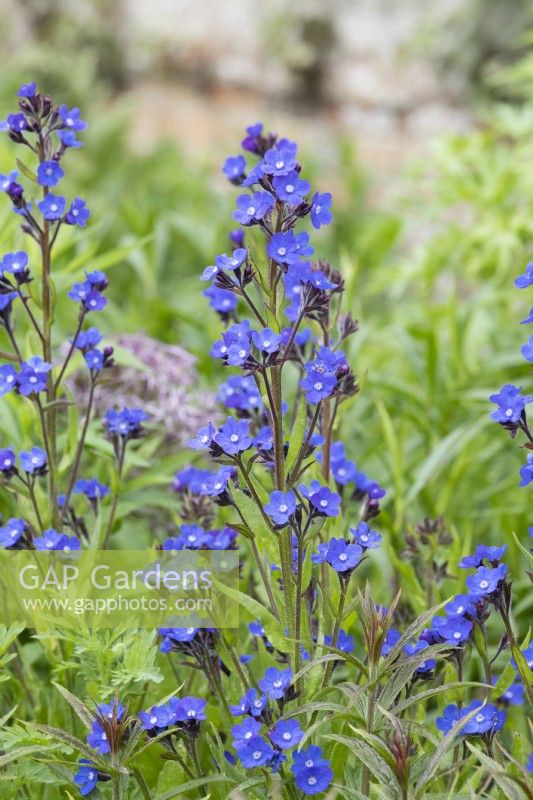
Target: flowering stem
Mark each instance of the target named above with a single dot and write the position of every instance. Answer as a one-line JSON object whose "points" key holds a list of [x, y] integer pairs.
{"points": [[337, 627], [79, 451], [113, 510], [81, 317], [25, 303], [291, 479], [264, 577]]}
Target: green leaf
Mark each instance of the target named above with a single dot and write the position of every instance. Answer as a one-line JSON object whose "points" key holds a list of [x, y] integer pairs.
{"points": [[266, 539], [197, 783], [80, 708], [297, 435], [274, 629]]}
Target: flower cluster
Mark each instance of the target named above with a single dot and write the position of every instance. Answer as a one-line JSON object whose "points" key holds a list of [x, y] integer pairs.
{"points": [[510, 402]]}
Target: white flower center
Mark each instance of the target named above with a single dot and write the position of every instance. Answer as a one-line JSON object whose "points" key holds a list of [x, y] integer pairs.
{"points": [[309, 762], [283, 508], [287, 736], [234, 437], [282, 251], [289, 188], [317, 386], [480, 717], [457, 634], [323, 503], [343, 557], [311, 781], [460, 610], [256, 755], [509, 412], [280, 164], [483, 584], [153, 720], [250, 211]]}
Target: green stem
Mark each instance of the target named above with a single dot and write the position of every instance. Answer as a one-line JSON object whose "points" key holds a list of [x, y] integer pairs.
{"points": [[78, 454], [336, 629], [114, 504], [142, 784]]}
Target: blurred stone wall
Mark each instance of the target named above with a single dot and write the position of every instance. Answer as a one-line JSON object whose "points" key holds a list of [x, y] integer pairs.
{"points": [[357, 57]]}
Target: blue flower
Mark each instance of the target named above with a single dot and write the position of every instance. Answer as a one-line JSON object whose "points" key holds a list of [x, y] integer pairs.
{"points": [[510, 404], [453, 630], [339, 554], [526, 472], [8, 379], [344, 642], [365, 537], [7, 180], [126, 423], [526, 279], [460, 605], [527, 349], [483, 553], [49, 173], [33, 460], [97, 738], [71, 118], [366, 485], [291, 188], [12, 532], [234, 167], [221, 300], [203, 437], [17, 122], [255, 753], [251, 703], [90, 298], [236, 260], [343, 471], [392, 637], [286, 733], [413, 650], [86, 777], [234, 436], [7, 461], [53, 540], [78, 213], [513, 695], [281, 506], [190, 709], [488, 720], [27, 90], [89, 339], [311, 770], [33, 376], [68, 139], [529, 319], [318, 385], [286, 248], [94, 360], [320, 209], [91, 488], [266, 340], [279, 161], [240, 391], [252, 208], [245, 731], [6, 301], [485, 580], [322, 498], [52, 207], [15, 263], [156, 717], [275, 682]]}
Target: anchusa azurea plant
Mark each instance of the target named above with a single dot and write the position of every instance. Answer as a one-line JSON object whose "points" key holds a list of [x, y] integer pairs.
{"points": [[323, 690]]}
